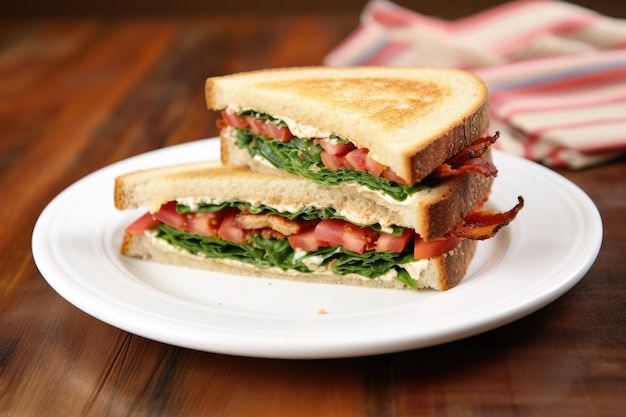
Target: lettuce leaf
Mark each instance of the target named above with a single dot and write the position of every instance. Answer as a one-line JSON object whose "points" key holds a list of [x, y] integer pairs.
{"points": [[302, 157], [266, 253]]}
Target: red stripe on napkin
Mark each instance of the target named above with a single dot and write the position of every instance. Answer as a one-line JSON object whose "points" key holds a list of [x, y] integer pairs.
{"points": [[541, 59]]}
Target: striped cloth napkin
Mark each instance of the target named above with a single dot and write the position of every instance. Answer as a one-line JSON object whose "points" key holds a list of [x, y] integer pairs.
{"points": [[556, 72]]}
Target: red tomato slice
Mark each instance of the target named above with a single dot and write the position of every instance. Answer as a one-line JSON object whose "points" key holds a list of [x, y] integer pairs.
{"points": [[392, 176], [329, 232], [359, 239], [204, 224], [168, 215], [334, 147], [258, 125], [388, 242], [255, 125], [141, 224], [230, 230], [433, 248], [304, 240], [273, 131], [357, 159], [234, 120], [374, 167], [331, 161], [335, 232], [338, 155]]}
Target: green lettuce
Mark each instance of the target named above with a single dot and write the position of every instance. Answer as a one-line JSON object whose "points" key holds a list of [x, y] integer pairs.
{"points": [[266, 253], [302, 156]]}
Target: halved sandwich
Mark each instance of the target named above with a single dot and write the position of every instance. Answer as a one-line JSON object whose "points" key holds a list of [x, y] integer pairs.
{"points": [[206, 215], [385, 130]]}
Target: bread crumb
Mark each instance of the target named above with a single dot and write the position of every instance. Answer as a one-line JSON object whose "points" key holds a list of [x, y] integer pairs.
{"points": [[321, 311]]}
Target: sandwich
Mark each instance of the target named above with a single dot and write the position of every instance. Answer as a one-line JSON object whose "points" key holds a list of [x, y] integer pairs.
{"points": [[205, 215], [363, 176], [386, 131]]}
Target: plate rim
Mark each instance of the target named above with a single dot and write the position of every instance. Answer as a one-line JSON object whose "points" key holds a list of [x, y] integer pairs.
{"points": [[233, 344]]}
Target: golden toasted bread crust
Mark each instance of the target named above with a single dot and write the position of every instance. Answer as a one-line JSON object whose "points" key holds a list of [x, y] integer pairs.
{"points": [[411, 119], [454, 268], [458, 137], [441, 273]]}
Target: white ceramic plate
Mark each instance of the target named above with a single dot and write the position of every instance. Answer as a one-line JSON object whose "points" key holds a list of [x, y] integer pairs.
{"points": [[541, 255]]}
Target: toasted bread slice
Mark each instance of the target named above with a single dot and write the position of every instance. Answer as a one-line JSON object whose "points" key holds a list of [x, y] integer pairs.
{"points": [[431, 212], [411, 119], [440, 273]]}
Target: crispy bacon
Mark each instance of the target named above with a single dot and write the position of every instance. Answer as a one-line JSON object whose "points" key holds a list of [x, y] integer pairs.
{"points": [[469, 160], [479, 165], [481, 225], [269, 233], [275, 222], [475, 150]]}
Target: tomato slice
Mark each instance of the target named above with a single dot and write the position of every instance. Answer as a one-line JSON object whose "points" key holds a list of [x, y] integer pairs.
{"points": [[336, 232], [258, 125], [273, 131], [346, 155], [204, 224], [329, 232], [234, 120], [433, 248], [389, 242], [359, 239], [334, 161], [141, 224], [304, 240], [230, 230], [392, 176], [168, 215], [374, 167], [335, 147], [357, 159]]}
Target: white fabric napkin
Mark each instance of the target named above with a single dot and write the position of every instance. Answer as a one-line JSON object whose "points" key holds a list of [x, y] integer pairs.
{"points": [[556, 71]]}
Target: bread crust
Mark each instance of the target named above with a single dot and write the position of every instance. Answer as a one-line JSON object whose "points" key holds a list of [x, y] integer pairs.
{"points": [[457, 138], [411, 119], [442, 273]]}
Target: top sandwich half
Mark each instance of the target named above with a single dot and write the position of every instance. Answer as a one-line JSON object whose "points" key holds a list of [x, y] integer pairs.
{"points": [[404, 123]]}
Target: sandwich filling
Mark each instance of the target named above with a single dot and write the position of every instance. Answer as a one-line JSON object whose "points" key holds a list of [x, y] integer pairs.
{"points": [[332, 160], [308, 238]]}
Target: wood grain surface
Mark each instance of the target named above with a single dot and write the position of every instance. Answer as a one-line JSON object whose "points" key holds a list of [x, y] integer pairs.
{"points": [[79, 94]]}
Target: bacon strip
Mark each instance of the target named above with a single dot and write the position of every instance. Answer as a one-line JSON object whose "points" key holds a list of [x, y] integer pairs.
{"points": [[469, 160], [272, 221], [481, 225]]}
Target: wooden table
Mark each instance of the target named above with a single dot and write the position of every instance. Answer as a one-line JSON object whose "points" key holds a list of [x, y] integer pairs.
{"points": [[77, 95]]}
